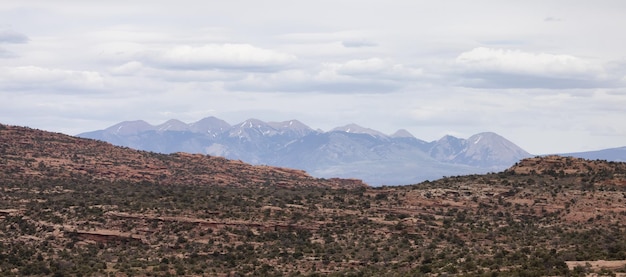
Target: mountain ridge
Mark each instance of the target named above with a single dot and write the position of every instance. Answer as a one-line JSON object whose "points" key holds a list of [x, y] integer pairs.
{"points": [[348, 151], [278, 143], [616, 154]]}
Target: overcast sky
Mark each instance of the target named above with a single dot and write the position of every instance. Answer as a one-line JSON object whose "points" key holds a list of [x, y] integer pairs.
{"points": [[548, 75]]}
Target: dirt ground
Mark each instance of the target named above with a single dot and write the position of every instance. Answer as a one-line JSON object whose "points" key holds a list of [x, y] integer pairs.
{"points": [[598, 265]]}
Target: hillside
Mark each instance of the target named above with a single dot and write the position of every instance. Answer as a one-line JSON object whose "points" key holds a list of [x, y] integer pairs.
{"points": [[545, 216], [28, 152], [562, 166]]}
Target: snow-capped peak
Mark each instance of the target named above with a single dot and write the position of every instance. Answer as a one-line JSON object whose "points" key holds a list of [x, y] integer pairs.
{"points": [[173, 125], [209, 125], [253, 123], [356, 129], [290, 124], [129, 127]]}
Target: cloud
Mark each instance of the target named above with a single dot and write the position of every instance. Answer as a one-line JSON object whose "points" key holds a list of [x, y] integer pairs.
{"points": [[219, 56], [127, 69], [349, 36], [503, 42], [487, 67], [375, 68], [552, 19], [354, 76], [342, 43], [9, 36], [301, 81], [358, 43], [135, 71], [518, 62], [33, 77]]}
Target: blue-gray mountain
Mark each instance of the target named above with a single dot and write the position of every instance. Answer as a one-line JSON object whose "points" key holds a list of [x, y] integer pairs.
{"points": [[350, 151], [612, 154]]}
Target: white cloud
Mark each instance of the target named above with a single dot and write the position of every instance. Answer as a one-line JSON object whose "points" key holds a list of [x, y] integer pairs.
{"points": [[134, 71], [484, 59], [324, 81], [219, 56], [375, 68], [357, 67], [488, 67], [354, 36], [341, 44], [128, 68], [29, 77], [354, 76]]}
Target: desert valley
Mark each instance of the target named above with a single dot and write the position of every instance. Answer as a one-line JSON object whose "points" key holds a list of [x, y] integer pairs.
{"points": [[80, 207]]}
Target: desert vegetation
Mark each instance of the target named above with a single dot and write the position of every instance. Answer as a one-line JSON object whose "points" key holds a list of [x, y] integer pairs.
{"points": [[79, 207]]}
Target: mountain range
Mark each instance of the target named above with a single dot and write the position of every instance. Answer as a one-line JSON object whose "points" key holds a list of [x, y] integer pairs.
{"points": [[349, 151]]}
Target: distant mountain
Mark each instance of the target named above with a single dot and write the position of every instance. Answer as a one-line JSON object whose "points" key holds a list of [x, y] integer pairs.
{"points": [[129, 128], [376, 160], [446, 148], [612, 154], [210, 126], [402, 134], [173, 125], [291, 128], [486, 150], [349, 151], [356, 129]]}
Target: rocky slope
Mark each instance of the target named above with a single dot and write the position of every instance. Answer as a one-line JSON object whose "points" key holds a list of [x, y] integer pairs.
{"points": [[36, 153]]}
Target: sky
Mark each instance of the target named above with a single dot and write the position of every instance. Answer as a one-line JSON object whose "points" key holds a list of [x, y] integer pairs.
{"points": [[548, 75]]}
